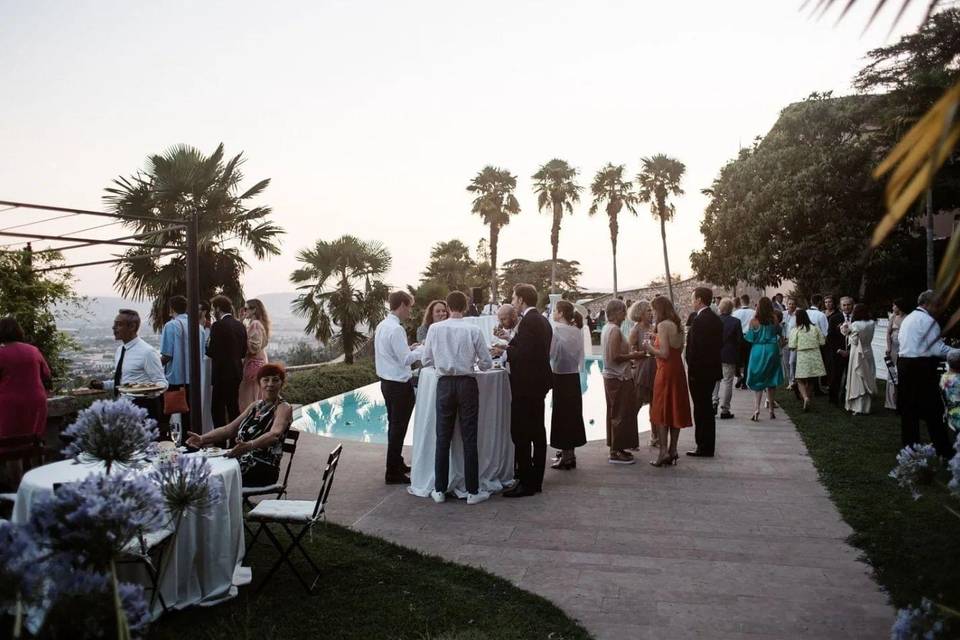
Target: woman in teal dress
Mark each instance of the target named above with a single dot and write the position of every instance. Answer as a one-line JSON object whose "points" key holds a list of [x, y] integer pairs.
{"points": [[764, 370]]}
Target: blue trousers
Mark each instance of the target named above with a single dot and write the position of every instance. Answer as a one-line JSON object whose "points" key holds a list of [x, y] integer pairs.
{"points": [[457, 396]]}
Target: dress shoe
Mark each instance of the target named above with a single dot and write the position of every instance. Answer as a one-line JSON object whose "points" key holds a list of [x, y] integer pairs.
{"points": [[564, 465], [397, 477], [726, 415], [404, 467], [518, 491], [697, 454]]}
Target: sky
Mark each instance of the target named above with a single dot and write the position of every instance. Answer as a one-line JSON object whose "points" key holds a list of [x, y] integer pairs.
{"points": [[370, 118]]}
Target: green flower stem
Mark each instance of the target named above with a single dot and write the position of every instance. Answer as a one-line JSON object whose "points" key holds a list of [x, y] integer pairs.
{"points": [[18, 617], [123, 629]]}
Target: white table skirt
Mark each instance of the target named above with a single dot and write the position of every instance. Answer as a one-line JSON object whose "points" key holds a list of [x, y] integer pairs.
{"points": [[494, 446], [207, 551]]}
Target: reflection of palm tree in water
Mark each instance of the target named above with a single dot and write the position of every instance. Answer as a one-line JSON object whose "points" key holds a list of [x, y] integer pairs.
{"points": [[353, 417]]}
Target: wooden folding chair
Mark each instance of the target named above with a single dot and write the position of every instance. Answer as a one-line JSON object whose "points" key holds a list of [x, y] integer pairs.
{"points": [[291, 514]]}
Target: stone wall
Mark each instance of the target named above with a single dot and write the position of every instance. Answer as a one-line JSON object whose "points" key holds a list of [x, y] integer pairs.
{"points": [[682, 295]]}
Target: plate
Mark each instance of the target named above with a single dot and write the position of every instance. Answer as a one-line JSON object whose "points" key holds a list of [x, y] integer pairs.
{"points": [[140, 390], [213, 452]]}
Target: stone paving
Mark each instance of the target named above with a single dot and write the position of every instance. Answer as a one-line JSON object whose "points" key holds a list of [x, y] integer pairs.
{"points": [[745, 545]]}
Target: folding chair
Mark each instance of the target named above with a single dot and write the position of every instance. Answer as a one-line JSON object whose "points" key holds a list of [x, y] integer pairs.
{"points": [[19, 454], [294, 513], [138, 552], [278, 489]]}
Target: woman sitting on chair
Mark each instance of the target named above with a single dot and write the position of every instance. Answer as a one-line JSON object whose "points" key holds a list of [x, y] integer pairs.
{"points": [[258, 431]]}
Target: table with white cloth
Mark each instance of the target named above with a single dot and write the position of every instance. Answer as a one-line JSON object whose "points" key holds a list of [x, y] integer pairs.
{"points": [[206, 554], [494, 446]]}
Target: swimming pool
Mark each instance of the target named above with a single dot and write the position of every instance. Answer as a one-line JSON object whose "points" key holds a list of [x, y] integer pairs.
{"points": [[361, 414]]}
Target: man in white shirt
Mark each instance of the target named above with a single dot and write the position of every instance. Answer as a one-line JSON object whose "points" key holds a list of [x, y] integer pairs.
{"points": [[789, 356], [135, 362], [918, 390], [453, 347], [393, 358], [744, 314]]}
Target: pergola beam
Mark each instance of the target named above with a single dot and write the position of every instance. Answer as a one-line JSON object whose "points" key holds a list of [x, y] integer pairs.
{"points": [[26, 205], [123, 241]]}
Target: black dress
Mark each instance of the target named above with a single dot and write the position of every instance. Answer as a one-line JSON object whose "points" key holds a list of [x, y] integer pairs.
{"points": [[260, 467], [566, 422]]}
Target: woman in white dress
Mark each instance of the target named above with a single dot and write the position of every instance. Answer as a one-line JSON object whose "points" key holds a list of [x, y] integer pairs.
{"points": [[567, 431], [861, 367], [893, 347]]}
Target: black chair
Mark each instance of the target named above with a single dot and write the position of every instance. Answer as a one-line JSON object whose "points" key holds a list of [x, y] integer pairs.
{"points": [[290, 514], [141, 550], [277, 489]]}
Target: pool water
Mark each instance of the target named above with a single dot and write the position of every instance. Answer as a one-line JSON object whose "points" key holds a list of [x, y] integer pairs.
{"points": [[361, 414]]}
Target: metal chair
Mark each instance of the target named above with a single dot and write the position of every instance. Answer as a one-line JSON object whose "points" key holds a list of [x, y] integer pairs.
{"points": [[278, 489], [294, 513], [139, 552]]}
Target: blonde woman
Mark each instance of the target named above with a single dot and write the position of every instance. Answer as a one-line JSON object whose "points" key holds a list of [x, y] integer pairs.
{"points": [[258, 335], [645, 370], [436, 312]]}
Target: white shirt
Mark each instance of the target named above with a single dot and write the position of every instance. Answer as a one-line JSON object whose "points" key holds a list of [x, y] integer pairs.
{"points": [[920, 336], [453, 346], [790, 322], [819, 318], [391, 354], [490, 309], [744, 315], [141, 365], [566, 349]]}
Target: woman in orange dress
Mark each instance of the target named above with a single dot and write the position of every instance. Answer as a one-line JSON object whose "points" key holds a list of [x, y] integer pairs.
{"points": [[670, 410]]}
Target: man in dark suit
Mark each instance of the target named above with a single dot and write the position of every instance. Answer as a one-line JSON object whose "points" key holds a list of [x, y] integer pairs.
{"points": [[704, 344], [837, 351], [528, 354], [227, 346]]}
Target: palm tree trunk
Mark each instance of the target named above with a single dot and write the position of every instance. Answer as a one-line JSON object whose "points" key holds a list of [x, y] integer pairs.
{"points": [[614, 232], [666, 259], [555, 244], [494, 238], [347, 339]]}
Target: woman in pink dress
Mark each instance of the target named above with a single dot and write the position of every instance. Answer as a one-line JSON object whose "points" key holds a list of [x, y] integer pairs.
{"points": [[23, 399], [258, 334]]}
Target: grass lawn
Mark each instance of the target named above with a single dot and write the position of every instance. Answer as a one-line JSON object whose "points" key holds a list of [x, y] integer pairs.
{"points": [[373, 589], [304, 387], [913, 546]]}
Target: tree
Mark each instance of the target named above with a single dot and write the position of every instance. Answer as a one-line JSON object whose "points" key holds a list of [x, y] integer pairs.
{"points": [[609, 187], [30, 297], [660, 178], [177, 184], [341, 289], [495, 203], [555, 187], [451, 264], [565, 273]]}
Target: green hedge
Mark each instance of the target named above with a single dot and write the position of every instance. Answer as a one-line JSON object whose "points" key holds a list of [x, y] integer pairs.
{"points": [[304, 387]]}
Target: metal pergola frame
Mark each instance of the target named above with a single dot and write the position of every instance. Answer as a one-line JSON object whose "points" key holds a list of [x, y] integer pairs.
{"points": [[192, 259]]}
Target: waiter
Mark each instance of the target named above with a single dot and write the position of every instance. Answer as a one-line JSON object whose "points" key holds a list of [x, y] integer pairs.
{"points": [[918, 391], [135, 362]]}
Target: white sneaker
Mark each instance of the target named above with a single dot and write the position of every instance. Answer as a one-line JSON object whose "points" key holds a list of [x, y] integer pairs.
{"points": [[477, 498], [438, 497]]}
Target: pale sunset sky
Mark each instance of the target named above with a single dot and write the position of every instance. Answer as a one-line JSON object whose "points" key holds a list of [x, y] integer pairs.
{"points": [[370, 118]]}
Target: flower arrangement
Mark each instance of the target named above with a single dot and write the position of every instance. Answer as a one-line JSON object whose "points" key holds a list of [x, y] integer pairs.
{"points": [[186, 484], [112, 431], [917, 465]]}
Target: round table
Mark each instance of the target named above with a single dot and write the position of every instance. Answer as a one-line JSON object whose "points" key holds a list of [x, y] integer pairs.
{"points": [[204, 557], [494, 445]]}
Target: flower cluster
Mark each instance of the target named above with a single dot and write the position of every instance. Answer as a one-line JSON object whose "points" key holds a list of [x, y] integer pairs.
{"points": [[20, 574], [919, 623], [954, 467], [186, 484], [83, 606], [93, 520], [114, 431], [916, 466]]}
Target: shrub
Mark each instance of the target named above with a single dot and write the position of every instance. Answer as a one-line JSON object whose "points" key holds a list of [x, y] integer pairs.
{"points": [[304, 387]]}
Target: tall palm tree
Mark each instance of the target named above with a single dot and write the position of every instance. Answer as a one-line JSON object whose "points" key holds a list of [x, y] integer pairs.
{"points": [[554, 185], [495, 203], [609, 187], [341, 289], [660, 178], [175, 184]]}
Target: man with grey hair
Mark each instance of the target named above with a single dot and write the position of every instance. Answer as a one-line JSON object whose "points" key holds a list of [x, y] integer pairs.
{"points": [[507, 317], [837, 350], [918, 389]]}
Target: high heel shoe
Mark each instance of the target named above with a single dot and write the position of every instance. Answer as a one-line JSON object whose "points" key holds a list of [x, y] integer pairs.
{"points": [[773, 416], [661, 462], [564, 465], [755, 417], [806, 405], [674, 458]]}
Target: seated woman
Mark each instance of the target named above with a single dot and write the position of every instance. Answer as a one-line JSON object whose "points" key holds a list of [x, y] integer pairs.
{"points": [[258, 431]]}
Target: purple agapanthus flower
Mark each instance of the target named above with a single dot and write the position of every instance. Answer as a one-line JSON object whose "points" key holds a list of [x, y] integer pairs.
{"points": [[20, 571], [82, 606], [187, 484], [916, 466], [93, 520], [920, 623], [954, 468], [114, 431]]}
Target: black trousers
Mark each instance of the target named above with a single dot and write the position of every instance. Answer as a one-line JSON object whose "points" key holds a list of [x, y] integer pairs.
{"points": [[918, 396], [225, 402], [838, 390], [457, 397], [154, 407], [743, 358], [400, 400], [704, 420], [529, 435]]}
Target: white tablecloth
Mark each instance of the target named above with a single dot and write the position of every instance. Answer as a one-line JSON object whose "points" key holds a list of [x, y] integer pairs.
{"points": [[494, 446], [208, 548]]}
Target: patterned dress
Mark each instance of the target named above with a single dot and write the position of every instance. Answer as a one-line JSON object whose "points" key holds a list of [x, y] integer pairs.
{"points": [[950, 387], [260, 467]]}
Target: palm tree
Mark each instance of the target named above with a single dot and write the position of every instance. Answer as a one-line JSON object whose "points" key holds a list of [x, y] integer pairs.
{"points": [[554, 185], [659, 178], [341, 289], [176, 184], [610, 187], [495, 203]]}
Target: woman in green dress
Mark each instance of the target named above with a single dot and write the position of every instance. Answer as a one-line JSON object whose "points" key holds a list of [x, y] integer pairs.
{"points": [[806, 340], [764, 369]]}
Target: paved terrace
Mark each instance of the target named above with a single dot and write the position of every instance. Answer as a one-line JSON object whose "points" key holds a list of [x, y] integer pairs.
{"points": [[747, 545]]}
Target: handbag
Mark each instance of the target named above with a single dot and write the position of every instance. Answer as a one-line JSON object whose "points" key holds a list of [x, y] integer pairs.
{"points": [[644, 374], [175, 401]]}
